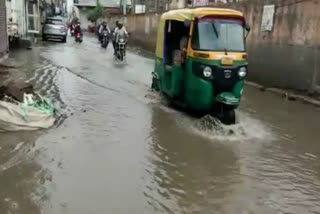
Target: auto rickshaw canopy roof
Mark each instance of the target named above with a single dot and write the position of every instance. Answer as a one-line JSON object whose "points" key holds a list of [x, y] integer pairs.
{"points": [[188, 15]]}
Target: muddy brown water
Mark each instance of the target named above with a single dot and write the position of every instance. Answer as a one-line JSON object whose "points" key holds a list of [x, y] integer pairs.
{"points": [[118, 149]]}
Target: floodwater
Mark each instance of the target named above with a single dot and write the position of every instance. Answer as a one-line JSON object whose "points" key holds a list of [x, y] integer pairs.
{"points": [[117, 148]]}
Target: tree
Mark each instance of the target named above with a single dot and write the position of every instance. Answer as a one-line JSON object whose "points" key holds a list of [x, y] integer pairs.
{"points": [[95, 13]]}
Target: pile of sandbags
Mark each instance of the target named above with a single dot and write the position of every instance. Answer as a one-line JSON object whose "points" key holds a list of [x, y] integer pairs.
{"points": [[23, 109]]}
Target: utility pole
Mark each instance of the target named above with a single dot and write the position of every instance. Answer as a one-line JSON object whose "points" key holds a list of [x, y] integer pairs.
{"points": [[124, 7], [133, 7], [156, 6]]}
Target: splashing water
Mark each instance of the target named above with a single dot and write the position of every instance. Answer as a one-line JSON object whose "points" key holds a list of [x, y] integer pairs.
{"points": [[247, 128]]}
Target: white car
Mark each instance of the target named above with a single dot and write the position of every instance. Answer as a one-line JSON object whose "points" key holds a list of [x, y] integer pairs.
{"points": [[55, 28]]}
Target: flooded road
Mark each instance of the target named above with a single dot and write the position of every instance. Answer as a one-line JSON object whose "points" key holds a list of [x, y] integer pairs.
{"points": [[118, 149]]}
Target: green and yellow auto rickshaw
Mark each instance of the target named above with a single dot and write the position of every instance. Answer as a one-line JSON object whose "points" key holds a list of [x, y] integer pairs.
{"points": [[201, 60]]}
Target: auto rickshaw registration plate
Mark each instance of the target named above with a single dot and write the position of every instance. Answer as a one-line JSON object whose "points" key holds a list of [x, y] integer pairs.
{"points": [[227, 61]]}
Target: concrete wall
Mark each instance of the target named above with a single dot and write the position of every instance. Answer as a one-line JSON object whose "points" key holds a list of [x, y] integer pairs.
{"points": [[286, 57], [142, 28], [82, 15], [83, 12], [16, 12], [3, 30]]}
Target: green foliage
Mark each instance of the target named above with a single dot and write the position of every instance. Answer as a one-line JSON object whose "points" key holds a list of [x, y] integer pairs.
{"points": [[95, 13]]}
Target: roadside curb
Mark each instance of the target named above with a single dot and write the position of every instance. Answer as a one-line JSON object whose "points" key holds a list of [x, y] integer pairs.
{"points": [[285, 94], [4, 65]]}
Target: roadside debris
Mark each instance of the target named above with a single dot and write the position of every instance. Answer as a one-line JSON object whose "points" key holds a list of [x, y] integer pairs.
{"points": [[307, 98], [23, 109]]}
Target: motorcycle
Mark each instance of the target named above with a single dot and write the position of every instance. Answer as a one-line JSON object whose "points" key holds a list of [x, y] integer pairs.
{"points": [[105, 39], [121, 49], [72, 29], [78, 38]]}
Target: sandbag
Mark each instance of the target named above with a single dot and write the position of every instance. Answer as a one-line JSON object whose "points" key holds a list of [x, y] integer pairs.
{"points": [[17, 117]]}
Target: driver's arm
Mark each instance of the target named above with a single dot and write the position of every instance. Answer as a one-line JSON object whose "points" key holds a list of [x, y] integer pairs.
{"points": [[125, 31]]}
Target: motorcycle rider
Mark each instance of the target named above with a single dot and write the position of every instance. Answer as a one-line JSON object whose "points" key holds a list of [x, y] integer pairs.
{"points": [[77, 30], [73, 25], [120, 32], [103, 27], [114, 37]]}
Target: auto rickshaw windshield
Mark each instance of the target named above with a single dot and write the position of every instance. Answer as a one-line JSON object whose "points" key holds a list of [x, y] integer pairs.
{"points": [[219, 34]]}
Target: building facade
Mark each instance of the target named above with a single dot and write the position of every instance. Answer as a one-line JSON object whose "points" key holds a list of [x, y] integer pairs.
{"points": [[23, 15], [3, 30], [111, 7]]}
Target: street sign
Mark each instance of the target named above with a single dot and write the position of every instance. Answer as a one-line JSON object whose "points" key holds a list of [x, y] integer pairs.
{"points": [[267, 17]]}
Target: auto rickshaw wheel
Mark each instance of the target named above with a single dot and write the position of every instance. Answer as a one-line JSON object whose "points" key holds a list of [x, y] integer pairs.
{"points": [[154, 84], [228, 117]]}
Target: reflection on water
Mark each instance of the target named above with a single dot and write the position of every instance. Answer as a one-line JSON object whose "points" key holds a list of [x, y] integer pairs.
{"points": [[98, 151], [119, 149], [244, 168], [188, 170]]}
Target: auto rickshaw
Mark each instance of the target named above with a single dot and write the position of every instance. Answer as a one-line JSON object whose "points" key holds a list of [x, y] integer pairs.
{"points": [[201, 61]]}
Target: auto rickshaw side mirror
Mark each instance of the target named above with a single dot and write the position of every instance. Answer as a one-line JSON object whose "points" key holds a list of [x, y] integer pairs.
{"points": [[248, 28]]}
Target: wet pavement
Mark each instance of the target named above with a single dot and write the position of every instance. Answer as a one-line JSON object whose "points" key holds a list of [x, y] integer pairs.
{"points": [[117, 148]]}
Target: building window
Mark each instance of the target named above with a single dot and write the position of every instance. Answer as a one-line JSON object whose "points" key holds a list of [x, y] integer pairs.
{"points": [[33, 17]]}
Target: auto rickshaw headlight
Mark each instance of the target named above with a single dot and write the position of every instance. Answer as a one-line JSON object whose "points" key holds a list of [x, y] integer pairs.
{"points": [[207, 72], [242, 72]]}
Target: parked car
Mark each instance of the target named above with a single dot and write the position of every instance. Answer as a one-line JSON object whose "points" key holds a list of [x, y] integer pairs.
{"points": [[55, 28]]}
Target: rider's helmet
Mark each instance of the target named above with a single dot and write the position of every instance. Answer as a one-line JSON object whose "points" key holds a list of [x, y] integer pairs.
{"points": [[120, 24]]}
